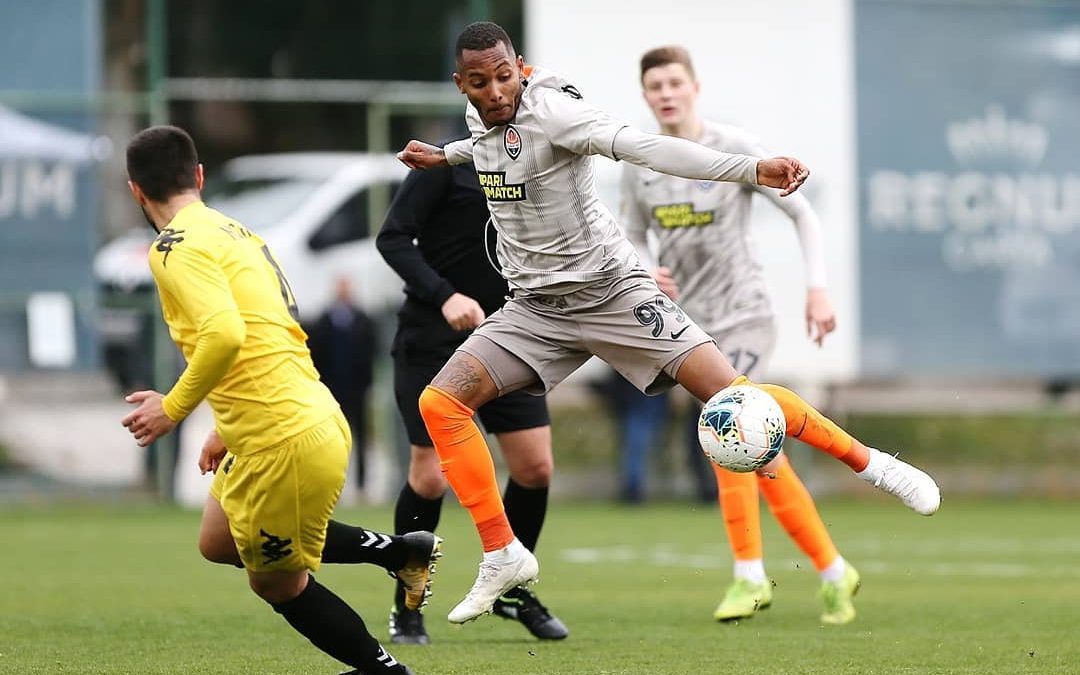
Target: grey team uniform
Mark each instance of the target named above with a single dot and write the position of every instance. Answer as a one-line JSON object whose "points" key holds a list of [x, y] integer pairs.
{"points": [[702, 231], [578, 286]]}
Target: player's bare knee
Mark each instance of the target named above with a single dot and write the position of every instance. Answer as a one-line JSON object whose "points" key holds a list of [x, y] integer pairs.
{"points": [[465, 380], [535, 473], [217, 549], [425, 474], [209, 550], [428, 484], [277, 587]]}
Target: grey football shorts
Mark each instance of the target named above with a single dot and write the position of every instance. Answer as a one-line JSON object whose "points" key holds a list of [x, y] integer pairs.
{"points": [[748, 346], [535, 342]]}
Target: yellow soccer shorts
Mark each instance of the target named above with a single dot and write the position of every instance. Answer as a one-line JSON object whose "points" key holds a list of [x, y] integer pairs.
{"points": [[279, 500]]}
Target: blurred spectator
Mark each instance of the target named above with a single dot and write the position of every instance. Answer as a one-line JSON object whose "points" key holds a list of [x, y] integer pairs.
{"points": [[642, 422], [343, 343]]}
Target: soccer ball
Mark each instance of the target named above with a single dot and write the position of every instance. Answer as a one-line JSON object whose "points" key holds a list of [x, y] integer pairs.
{"points": [[741, 428]]}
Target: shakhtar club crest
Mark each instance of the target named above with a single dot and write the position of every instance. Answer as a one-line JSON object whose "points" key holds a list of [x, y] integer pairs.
{"points": [[512, 142]]}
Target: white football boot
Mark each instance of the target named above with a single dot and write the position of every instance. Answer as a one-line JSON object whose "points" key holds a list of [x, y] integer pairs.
{"points": [[500, 571], [914, 487]]}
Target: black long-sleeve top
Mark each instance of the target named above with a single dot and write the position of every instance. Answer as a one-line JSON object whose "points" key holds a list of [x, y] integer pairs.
{"points": [[434, 238]]}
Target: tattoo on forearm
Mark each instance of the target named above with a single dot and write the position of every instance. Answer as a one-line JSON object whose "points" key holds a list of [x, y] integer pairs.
{"points": [[457, 378]]}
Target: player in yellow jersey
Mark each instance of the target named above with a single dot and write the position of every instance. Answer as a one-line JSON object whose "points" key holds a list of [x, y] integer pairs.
{"points": [[280, 445]]}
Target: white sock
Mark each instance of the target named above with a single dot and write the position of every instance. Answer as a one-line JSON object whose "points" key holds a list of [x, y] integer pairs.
{"points": [[751, 570], [508, 552], [835, 571]]}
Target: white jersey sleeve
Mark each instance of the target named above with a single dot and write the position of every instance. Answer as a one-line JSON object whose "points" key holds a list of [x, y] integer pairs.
{"points": [[797, 207], [573, 124], [461, 152], [680, 157]]}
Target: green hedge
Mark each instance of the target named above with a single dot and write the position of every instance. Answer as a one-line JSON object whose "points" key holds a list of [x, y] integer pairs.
{"points": [[1038, 439], [585, 436]]}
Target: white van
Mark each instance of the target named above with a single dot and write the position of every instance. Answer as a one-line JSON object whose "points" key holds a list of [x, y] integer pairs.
{"points": [[318, 211]]}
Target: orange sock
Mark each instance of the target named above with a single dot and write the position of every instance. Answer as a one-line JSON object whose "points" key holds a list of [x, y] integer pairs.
{"points": [[742, 513], [793, 507], [805, 423], [466, 461]]}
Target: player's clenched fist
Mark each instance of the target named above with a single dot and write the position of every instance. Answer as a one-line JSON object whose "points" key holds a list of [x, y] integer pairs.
{"points": [[462, 312], [419, 155], [786, 173]]}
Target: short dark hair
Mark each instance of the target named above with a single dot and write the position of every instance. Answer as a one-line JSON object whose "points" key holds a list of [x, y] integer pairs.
{"points": [[481, 35], [161, 161], [662, 56]]}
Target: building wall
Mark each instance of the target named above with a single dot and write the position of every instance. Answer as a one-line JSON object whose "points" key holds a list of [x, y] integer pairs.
{"points": [[781, 69]]}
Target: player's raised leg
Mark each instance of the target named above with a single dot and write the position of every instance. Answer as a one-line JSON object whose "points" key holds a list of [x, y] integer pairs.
{"points": [[706, 371], [411, 557], [447, 406], [281, 541]]}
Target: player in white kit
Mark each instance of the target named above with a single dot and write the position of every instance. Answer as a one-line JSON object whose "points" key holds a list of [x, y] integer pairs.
{"points": [[578, 287], [705, 261]]}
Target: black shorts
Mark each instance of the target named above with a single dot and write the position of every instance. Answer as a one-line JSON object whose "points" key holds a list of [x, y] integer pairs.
{"points": [[513, 412]]}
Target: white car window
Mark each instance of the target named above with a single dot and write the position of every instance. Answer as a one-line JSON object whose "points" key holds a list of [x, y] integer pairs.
{"points": [[352, 220], [260, 203], [348, 223]]}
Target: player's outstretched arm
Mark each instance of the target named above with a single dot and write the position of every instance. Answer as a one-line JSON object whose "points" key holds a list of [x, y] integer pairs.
{"points": [[680, 157], [786, 173], [420, 155]]}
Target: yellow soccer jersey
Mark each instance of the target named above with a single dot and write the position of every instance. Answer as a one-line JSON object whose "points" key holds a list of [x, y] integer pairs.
{"points": [[231, 312]]}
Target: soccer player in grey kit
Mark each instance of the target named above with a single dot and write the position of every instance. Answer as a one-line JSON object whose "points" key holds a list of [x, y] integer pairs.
{"points": [[705, 261], [579, 288]]}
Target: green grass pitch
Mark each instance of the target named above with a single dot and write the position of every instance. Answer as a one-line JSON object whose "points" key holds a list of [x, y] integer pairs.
{"points": [[982, 587]]}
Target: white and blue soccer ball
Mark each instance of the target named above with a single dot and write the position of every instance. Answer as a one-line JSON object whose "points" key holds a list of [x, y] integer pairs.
{"points": [[741, 428]]}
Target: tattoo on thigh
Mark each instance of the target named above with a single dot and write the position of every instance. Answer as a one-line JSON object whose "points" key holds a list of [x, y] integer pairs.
{"points": [[458, 376]]}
